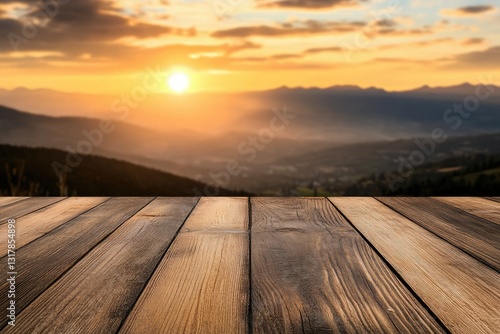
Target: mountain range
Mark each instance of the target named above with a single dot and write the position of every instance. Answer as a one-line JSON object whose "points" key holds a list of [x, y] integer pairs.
{"points": [[341, 131]]}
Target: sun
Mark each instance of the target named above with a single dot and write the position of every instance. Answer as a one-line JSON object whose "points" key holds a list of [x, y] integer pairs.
{"points": [[178, 82]]}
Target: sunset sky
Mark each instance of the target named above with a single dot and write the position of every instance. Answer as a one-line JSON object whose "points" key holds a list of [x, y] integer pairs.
{"points": [[103, 46]]}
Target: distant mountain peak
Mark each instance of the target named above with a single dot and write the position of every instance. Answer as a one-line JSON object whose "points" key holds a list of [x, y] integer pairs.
{"points": [[460, 88], [344, 87]]}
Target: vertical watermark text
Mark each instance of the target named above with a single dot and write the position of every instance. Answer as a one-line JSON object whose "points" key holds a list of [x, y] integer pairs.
{"points": [[11, 271]]}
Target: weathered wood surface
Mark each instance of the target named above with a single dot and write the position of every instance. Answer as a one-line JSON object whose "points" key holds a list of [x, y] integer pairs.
{"points": [[41, 222], [312, 272], [17, 209], [477, 206], [201, 286], [97, 293], [496, 199], [463, 292], [259, 265], [476, 236], [8, 200], [44, 260]]}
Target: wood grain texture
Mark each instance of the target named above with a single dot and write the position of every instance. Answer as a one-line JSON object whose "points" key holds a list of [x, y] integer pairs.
{"points": [[219, 215], [201, 286], [98, 292], [495, 199], [42, 261], [313, 273], [463, 292], [476, 236], [40, 222], [20, 208], [477, 206], [8, 200]]}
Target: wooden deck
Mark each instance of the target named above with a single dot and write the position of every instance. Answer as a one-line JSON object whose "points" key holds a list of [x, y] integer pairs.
{"points": [[258, 265]]}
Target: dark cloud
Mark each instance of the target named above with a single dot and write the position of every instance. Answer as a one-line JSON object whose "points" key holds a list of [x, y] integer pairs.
{"points": [[475, 9], [386, 23], [310, 4], [78, 26], [489, 58], [313, 27], [87, 33], [469, 10], [309, 27]]}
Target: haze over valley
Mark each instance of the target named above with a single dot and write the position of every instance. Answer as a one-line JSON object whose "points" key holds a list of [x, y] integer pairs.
{"points": [[275, 141]]}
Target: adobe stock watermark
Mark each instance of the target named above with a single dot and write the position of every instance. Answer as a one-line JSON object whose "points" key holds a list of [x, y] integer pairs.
{"points": [[11, 271], [34, 21], [453, 118], [122, 106], [249, 150], [361, 38]]}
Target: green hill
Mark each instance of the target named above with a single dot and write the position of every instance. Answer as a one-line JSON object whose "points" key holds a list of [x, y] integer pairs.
{"points": [[29, 171]]}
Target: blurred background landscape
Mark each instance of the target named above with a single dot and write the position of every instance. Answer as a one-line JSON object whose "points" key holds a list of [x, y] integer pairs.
{"points": [[275, 98], [338, 141]]}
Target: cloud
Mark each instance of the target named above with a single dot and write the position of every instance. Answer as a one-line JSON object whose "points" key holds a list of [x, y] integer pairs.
{"points": [[430, 42], [386, 23], [400, 60], [230, 49], [310, 4], [468, 10], [403, 32], [488, 58], [379, 28], [286, 56], [120, 58], [79, 26], [283, 56], [473, 41], [321, 50], [309, 27], [276, 62]]}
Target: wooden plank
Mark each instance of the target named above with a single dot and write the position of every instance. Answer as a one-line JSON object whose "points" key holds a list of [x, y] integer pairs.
{"points": [[201, 286], [214, 214], [476, 236], [97, 293], [8, 200], [41, 222], [313, 273], [463, 292], [20, 208], [44, 260], [495, 199], [477, 206]]}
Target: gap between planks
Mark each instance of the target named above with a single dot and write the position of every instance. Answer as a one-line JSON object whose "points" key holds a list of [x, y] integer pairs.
{"points": [[462, 291], [312, 272], [61, 248], [97, 293], [201, 284]]}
